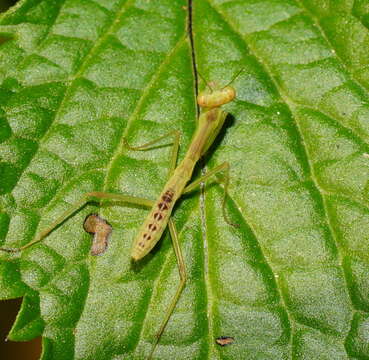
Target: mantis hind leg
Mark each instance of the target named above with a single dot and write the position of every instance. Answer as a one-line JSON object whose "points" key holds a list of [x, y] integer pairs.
{"points": [[181, 285], [75, 207], [222, 167], [173, 160]]}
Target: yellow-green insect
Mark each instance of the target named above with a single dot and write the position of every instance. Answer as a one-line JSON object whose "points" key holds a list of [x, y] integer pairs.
{"points": [[210, 122]]}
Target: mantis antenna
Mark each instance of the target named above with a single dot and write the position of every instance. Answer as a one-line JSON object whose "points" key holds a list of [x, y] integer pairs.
{"points": [[203, 78], [212, 89], [234, 78]]}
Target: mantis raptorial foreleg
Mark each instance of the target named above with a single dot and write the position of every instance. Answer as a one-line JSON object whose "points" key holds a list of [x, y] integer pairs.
{"points": [[173, 160]]}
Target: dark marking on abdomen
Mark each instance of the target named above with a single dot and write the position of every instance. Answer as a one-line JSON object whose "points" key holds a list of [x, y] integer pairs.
{"points": [[162, 206], [168, 196], [152, 227], [158, 216]]}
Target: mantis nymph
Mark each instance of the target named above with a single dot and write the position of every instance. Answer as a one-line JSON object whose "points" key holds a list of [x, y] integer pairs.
{"points": [[209, 124]]}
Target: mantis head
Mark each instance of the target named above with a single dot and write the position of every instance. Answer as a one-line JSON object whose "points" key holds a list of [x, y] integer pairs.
{"points": [[215, 96]]}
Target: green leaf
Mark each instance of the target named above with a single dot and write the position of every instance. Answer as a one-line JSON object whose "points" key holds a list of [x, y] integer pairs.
{"points": [[292, 281]]}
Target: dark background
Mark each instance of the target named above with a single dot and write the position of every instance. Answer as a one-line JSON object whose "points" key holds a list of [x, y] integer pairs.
{"points": [[5, 4], [10, 350]]}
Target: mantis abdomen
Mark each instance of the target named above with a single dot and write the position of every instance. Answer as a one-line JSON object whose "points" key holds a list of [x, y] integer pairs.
{"points": [[157, 220]]}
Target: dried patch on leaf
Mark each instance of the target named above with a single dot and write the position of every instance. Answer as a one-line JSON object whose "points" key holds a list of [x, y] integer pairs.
{"points": [[101, 229], [225, 340]]}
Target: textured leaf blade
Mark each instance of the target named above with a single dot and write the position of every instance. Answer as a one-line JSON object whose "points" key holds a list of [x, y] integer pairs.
{"points": [[291, 281]]}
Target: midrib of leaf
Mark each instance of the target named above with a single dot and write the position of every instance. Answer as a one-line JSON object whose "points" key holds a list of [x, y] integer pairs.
{"points": [[208, 289], [247, 220], [244, 216], [282, 301], [291, 106]]}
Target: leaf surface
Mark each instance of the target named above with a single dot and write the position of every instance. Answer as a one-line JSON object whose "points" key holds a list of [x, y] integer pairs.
{"points": [[77, 77]]}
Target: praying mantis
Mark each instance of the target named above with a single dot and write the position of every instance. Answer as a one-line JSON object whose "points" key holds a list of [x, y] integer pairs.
{"points": [[210, 122]]}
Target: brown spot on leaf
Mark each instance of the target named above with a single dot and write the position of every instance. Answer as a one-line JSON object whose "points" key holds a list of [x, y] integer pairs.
{"points": [[101, 229], [225, 340]]}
